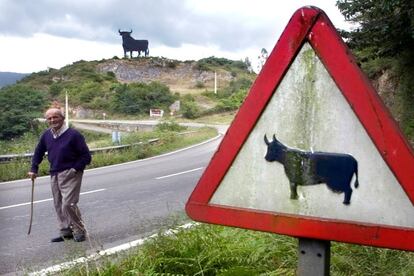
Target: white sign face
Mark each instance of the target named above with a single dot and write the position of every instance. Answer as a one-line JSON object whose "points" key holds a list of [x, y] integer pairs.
{"points": [[309, 113]]}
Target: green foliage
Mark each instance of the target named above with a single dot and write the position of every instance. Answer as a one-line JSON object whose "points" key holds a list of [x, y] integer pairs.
{"points": [[169, 126], [231, 103], [236, 86], [172, 63], [200, 84], [231, 97], [23, 144], [385, 28], [217, 250], [212, 250], [189, 107], [375, 67], [406, 100], [168, 140], [20, 105], [384, 40], [349, 259], [208, 64], [89, 88], [55, 89], [110, 76], [86, 87], [139, 98], [88, 91]]}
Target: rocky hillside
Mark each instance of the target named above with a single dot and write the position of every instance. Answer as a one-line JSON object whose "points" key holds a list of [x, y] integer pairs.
{"points": [[133, 86], [178, 76]]}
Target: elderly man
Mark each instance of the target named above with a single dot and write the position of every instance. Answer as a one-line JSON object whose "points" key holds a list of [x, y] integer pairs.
{"points": [[68, 156]]}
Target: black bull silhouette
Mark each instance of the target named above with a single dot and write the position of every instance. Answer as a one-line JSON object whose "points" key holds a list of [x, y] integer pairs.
{"points": [[311, 168], [130, 44]]}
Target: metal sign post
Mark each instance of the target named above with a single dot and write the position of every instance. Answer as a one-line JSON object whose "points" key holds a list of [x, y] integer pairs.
{"points": [[313, 257]]}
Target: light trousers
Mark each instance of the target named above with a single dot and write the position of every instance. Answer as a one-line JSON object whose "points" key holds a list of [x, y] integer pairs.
{"points": [[66, 187]]}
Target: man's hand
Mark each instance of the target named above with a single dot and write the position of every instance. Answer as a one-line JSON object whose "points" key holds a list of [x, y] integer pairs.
{"points": [[32, 175]]}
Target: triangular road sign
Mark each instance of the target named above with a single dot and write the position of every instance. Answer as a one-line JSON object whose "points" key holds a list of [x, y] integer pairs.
{"points": [[323, 123]]}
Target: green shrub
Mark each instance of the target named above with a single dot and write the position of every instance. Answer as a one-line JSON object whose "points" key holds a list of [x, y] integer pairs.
{"points": [[172, 63], [208, 64], [231, 103], [139, 98], [235, 86], [169, 126], [110, 76], [190, 109], [200, 84], [218, 250], [55, 89], [19, 106]]}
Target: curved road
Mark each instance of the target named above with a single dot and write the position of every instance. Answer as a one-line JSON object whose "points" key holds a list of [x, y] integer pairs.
{"points": [[119, 203]]}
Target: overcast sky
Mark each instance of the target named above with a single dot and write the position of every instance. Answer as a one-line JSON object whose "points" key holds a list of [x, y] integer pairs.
{"points": [[37, 34]]}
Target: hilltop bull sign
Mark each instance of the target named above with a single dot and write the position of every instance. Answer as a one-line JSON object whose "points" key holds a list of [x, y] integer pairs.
{"points": [[331, 134], [133, 45]]}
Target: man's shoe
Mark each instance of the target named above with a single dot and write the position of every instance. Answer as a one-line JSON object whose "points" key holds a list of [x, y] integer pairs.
{"points": [[79, 237], [57, 239], [62, 238], [66, 232]]}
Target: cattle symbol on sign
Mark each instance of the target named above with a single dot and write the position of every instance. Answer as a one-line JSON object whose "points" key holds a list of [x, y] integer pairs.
{"points": [[310, 168]]}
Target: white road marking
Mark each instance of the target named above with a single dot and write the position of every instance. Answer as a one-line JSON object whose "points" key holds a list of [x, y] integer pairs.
{"points": [[175, 174], [107, 252], [44, 200]]}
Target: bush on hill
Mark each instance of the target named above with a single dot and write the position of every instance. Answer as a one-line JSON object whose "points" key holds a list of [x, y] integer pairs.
{"points": [[20, 105], [140, 97], [208, 64]]}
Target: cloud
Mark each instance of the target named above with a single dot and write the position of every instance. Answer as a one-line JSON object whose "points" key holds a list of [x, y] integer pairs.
{"points": [[165, 22], [183, 29]]}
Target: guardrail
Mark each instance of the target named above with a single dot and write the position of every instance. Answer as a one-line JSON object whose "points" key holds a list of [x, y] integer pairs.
{"points": [[11, 157]]}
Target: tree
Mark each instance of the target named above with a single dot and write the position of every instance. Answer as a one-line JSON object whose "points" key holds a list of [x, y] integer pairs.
{"points": [[20, 105], [384, 39], [262, 59], [385, 27], [248, 64]]}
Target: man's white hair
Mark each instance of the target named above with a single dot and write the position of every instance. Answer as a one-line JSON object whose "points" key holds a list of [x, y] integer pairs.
{"points": [[55, 110]]}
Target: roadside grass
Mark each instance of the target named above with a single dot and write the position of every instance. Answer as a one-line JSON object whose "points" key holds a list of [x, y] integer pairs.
{"points": [[218, 250], [24, 144], [217, 118], [169, 139], [27, 142]]}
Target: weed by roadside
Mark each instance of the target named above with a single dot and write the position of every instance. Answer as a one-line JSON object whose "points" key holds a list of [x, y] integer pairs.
{"points": [[217, 250]]}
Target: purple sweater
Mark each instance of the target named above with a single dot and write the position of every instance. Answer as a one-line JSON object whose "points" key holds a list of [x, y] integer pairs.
{"points": [[69, 150]]}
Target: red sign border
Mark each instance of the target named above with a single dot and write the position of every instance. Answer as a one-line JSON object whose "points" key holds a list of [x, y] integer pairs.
{"points": [[310, 24]]}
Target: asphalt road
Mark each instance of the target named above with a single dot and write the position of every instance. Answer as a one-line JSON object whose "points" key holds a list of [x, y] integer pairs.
{"points": [[119, 204]]}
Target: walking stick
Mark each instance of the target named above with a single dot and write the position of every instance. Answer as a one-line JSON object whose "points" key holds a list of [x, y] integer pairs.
{"points": [[31, 208]]}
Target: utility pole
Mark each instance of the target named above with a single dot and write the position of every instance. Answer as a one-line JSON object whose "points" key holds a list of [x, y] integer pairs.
{"points": [[215, 82], [66, 109]]}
